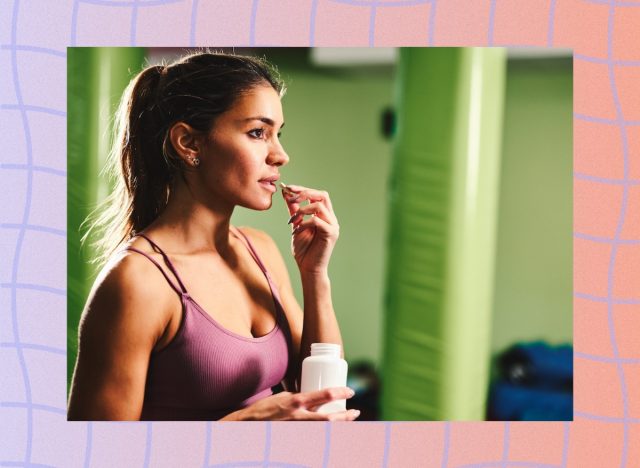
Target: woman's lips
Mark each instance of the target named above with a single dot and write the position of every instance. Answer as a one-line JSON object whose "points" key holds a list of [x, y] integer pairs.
{"points": [[269, 185]]}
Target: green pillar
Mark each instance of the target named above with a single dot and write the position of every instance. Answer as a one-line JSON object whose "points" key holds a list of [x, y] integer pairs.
{"points": [[96, 78], [443, 215]]}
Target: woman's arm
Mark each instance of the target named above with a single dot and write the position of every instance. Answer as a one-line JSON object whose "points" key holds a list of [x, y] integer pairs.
{"points": [[123, 320], [313, 240], [320, 324]]}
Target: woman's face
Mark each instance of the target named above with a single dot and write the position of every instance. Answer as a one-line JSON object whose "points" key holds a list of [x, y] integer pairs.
{"points": [[242, 154]]}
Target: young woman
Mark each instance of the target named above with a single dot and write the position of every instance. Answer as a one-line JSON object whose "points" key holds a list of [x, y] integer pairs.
{"points": [[192, 318]]}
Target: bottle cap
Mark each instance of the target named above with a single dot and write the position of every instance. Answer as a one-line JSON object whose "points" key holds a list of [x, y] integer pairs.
{"points": [[329, 349]]}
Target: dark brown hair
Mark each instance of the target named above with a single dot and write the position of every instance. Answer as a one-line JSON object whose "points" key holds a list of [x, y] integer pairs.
{"points": [[195, 89]]}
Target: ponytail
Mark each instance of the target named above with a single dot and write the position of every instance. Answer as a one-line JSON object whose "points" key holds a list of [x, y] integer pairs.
{"points": [[136, 167], [146, 167]]}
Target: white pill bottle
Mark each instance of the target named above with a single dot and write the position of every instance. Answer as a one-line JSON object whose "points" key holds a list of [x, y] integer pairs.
{"points": [[325, 369]]}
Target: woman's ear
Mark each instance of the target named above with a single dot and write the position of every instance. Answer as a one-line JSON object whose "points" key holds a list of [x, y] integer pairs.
{"points": [[186, 142]]}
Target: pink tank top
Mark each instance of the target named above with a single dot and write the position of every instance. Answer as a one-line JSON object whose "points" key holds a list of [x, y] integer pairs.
{"points": [[207, 371]]}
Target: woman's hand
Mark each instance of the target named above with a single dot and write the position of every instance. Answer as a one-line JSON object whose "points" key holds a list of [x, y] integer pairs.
{"points": [[287, 406], [313, 238]]}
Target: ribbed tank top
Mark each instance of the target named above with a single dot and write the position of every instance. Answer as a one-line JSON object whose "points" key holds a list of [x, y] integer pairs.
{"points": [[208, 371]]}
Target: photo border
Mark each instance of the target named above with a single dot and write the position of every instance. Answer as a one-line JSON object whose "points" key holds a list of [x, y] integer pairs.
{"points": [[606, 178]]}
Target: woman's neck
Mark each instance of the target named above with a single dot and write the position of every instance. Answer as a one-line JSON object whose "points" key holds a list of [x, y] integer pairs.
{"points": [[191, 226]]}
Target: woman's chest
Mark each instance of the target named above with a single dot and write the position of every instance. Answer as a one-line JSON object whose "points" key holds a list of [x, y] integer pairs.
{"points": [[238, 297]]}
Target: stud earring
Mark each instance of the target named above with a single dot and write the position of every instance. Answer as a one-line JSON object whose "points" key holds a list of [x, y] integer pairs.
{"points": [[195, 161]]}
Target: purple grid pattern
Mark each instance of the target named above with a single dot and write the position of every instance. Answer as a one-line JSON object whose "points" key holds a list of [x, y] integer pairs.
{"points": [[16, 283], [615, 243]]}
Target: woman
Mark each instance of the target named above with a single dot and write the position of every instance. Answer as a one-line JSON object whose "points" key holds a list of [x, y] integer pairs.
{"points": [[192, 318]]}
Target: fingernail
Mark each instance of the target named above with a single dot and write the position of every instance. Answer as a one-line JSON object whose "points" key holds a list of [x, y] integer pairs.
{"points": [[293, 216], [350, 392], [356, 413], [298, 229]]}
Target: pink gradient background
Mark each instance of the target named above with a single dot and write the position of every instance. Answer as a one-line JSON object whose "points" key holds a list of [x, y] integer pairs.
{"points": [[605, 38]]}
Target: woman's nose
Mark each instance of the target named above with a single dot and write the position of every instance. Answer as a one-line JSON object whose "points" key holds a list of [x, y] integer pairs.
{"points": [[278, 156]]}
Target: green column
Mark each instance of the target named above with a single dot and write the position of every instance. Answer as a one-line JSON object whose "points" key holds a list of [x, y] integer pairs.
{"points": [[96, 78], [443, 214]]}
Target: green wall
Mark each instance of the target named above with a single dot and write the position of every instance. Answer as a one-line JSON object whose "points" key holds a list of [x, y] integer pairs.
{"points": [[444, 203], [96, 78], [533, 287]]}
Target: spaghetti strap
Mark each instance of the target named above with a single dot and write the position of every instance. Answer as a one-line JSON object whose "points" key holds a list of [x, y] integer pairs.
{"points": [[252, 250], [256, 257], [166, 261], [164, 273]]}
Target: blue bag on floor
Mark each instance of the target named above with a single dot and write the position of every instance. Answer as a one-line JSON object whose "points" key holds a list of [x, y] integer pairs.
{"points": [[510, 402], [535, 384]]}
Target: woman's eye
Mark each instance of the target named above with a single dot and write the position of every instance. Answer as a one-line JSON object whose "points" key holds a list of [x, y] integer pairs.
{"points": [[257, 133]]}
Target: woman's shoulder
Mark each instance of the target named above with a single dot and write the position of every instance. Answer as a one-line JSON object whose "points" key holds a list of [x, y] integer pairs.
{"points": [[131, 285], [128, 269], [126, 315]]}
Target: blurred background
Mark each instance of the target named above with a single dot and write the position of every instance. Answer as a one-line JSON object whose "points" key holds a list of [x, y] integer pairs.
{"points": [[450, 173]]}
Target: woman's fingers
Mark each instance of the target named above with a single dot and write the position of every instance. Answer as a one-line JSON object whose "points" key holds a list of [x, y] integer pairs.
{"points": [[298, 192], [292, 201], [319, 206], [287, 406], [318, 223], [320, 397], [317, 209]]}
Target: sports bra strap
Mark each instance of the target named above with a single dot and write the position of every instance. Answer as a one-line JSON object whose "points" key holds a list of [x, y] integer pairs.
{"points": [[166, 260], [252, 250], [180, 288], [164, 273], [256, 257]]}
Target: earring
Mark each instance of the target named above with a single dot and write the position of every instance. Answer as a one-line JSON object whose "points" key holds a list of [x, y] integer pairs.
{"points": [[195, 161]]}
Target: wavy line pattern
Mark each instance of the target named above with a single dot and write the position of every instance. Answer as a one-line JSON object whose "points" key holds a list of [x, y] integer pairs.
{"points": [[33, 44], [616, 243]]}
